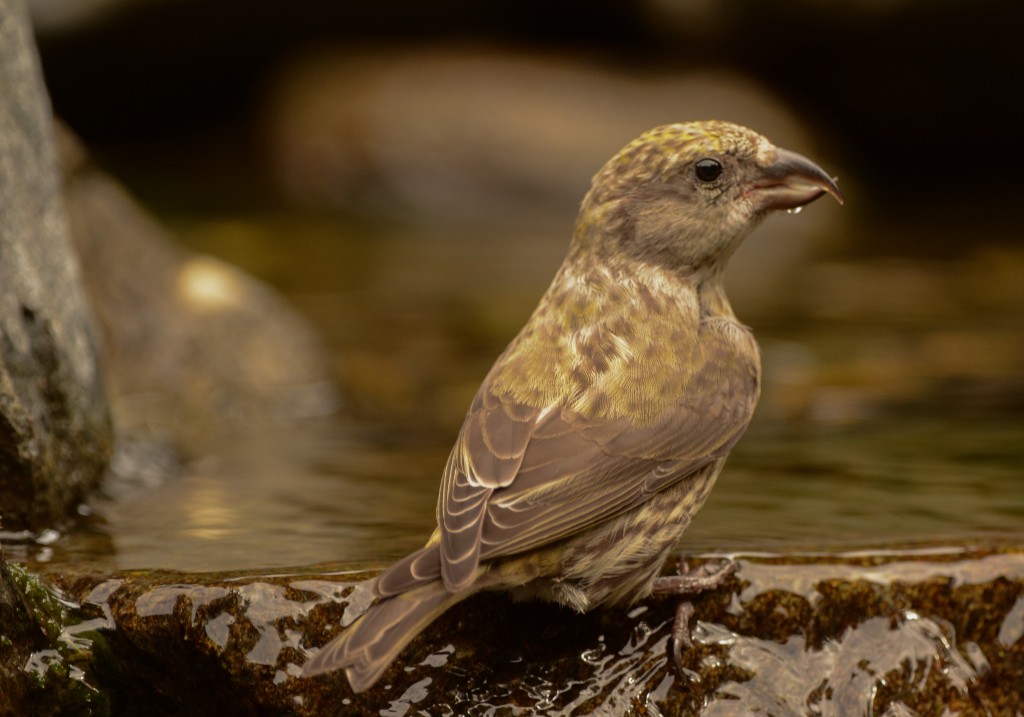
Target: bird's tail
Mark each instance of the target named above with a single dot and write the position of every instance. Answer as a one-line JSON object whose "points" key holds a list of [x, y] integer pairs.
{"points": [[366, 648]]}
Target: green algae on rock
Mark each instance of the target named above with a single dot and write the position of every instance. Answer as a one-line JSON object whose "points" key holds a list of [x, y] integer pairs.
{"points": [[42, 667]]}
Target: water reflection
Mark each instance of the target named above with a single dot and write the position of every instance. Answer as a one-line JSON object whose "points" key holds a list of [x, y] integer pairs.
{"points": [[869, 431], [279, 499], [319, 496], [296, 501]]}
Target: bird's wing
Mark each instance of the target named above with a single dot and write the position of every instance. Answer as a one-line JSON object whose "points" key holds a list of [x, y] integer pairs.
{"points": [[521, 476]]}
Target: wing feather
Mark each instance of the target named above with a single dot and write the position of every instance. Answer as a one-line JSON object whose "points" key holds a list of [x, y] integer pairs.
{"points": [[521, 476]]}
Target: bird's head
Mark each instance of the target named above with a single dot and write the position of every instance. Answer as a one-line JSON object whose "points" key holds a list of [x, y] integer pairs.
{"points": [[685, 195]]}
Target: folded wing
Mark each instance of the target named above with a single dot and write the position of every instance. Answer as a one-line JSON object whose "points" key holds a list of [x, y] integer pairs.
{"points": [[523, 476]]}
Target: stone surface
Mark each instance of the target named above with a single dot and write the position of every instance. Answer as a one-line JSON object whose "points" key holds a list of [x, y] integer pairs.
{"points": [[503, 138], [18, 639], [38, 670], [886, 632], [55, 433], [469, 134], [191, 344]]}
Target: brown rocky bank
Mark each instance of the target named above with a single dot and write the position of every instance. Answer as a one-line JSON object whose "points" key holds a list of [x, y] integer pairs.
{"points": [[912, 631]]}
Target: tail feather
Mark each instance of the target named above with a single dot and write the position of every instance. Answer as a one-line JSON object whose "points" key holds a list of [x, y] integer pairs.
{"points": [[367, 647], [410, 572]]}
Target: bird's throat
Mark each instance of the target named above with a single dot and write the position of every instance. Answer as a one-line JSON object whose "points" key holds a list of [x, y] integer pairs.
{"points": [[713, 301]]}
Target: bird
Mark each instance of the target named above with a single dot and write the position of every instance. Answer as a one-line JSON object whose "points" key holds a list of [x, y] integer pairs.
{"points": [[602, 427]]}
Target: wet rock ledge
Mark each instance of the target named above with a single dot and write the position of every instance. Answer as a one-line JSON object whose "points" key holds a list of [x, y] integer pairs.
{"points": [[898, 632]]}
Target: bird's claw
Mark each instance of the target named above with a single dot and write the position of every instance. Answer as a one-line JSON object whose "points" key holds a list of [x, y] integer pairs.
{"points": [[681, 634], [708, 576]]}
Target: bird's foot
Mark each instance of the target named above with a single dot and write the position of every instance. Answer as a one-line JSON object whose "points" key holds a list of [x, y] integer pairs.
{"points": [[689, 582], [708, 576]]}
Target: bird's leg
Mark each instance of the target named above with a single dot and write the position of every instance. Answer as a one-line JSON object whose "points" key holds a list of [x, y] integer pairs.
{"points": [[688, 582], [708, 576]]}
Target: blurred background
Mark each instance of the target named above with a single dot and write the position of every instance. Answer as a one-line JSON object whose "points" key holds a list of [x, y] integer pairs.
{"points": [[407, 175], [914, 98]]}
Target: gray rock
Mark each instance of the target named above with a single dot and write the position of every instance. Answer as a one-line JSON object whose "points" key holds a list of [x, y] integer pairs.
{"points": [[55, 432], [513, 139], [192, 345], [471, 135]]}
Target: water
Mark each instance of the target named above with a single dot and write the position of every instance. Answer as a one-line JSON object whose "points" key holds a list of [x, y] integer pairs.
{"points": [[863, 436], [320, 496], [890, 430]]}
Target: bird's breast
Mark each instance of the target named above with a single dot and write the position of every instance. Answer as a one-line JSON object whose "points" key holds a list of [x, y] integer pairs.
{"points": [[610, 346]]}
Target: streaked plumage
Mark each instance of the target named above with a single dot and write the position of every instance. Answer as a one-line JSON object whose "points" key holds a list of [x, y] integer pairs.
{"points": [[601, 429]]}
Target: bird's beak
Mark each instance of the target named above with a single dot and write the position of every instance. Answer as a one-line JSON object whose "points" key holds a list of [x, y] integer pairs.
{"points": [[792, 181]]}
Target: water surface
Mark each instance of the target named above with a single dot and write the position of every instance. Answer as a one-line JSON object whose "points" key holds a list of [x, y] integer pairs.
{"points": [[864, 437]]}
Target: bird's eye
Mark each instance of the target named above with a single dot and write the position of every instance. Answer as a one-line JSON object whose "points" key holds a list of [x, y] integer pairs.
{"points": [[707, 169]]}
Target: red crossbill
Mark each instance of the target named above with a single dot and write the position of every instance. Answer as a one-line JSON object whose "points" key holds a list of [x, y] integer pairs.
{"points": [[601, 429]]}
